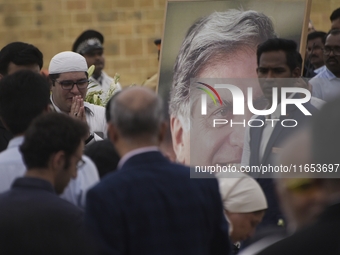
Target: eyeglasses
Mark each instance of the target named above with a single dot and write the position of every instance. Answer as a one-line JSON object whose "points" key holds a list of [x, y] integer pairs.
{"points": [[68, 84], [327, 51], [80, 163]]}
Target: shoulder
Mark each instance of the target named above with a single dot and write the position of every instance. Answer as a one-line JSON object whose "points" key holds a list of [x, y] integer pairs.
{"points": [[67, 207], [322, 74], [10, 154], [95, 108]]}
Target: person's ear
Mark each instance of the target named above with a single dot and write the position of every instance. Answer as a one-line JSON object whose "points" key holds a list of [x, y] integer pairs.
{"points": [[58, 161], [296, 73], [112, 133], [1, 76], [177, 134]]}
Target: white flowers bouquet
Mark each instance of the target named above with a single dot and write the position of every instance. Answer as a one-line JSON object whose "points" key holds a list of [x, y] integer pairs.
{"points": [[93, 97]]}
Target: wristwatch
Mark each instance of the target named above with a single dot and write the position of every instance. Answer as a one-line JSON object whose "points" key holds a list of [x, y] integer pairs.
{"points": [[89, 138]]}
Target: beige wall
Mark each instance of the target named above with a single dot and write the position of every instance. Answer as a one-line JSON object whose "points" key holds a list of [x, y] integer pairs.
{"points": [[320, 12], [129, 27]]}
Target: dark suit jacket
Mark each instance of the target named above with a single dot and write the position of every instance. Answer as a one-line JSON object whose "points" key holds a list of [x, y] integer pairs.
{"points": [[151, 206], [321, 238], [34, 220], [279, 135]]}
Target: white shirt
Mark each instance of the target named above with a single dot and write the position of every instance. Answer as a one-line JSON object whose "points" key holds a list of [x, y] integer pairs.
{"points": [[95, 117], [320, 69], [326, 85], [12, 166], [103, 83]]}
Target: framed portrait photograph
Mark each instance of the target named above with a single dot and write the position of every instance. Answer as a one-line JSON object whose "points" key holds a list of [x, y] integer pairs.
{"points": [[205, 43]]}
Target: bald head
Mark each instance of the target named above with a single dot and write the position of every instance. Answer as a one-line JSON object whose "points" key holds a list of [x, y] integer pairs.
{"points": [[137, 112], [134, 98]]}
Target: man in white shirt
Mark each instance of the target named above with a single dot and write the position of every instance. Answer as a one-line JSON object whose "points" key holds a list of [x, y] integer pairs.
{"points": [[90, 45], [326, 85], [23, 97], [68, 73]]}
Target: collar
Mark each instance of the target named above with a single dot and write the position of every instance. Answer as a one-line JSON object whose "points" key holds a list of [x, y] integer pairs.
{"points": [[320, 69], [328, 74], [33, 183], [100, 79], [132, 153], [86, 106]]}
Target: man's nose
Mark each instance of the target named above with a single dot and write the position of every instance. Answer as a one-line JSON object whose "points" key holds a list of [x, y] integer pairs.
{"points": [[75, 89], [270, 74], [238, 129], [331, 53]]}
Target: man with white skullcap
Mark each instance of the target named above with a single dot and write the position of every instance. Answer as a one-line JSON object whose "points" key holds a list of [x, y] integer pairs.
{"points": [[68, 74], [244, 204]]}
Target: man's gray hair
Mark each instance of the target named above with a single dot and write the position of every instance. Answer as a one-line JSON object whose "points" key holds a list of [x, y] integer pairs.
{"points": [[132, 122], [218, 34]]}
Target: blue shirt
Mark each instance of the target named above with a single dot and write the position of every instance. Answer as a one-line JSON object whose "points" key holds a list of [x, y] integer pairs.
{"points": [[326, 85]]}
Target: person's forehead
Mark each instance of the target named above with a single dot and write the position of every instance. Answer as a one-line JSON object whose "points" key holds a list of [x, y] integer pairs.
{"points": [[93, 52], [274, 57], [72, 75], [239, 64], [317, 41], [333, 40]]}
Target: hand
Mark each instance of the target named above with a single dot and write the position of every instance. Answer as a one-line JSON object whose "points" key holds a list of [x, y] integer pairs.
{"points": [[77, 108]]}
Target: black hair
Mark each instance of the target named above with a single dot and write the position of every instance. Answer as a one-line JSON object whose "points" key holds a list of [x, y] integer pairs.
{"points": [[293, 57], [21, 54], [317, 34], [23, 96], [335, 14], [49, 134]]}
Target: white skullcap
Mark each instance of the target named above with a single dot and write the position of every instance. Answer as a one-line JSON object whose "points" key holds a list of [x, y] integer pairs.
{"points": [[241, 194], [67, 61]]}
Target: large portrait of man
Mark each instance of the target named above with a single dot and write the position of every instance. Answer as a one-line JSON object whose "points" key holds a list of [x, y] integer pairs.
{"points": [[209, 41]]}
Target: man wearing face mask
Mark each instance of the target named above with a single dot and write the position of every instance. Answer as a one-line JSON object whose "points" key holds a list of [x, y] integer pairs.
{"points": [[326, 85]]}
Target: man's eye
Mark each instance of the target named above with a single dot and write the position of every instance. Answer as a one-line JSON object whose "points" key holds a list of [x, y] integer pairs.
{"points": [[66, 83], [82, 82], [223, 111]]}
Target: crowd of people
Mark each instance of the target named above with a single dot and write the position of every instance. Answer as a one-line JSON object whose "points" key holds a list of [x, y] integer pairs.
{"points": [[79, 178]]}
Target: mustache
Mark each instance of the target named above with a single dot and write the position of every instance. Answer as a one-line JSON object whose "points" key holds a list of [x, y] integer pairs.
{"points": [[332, 59]]}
